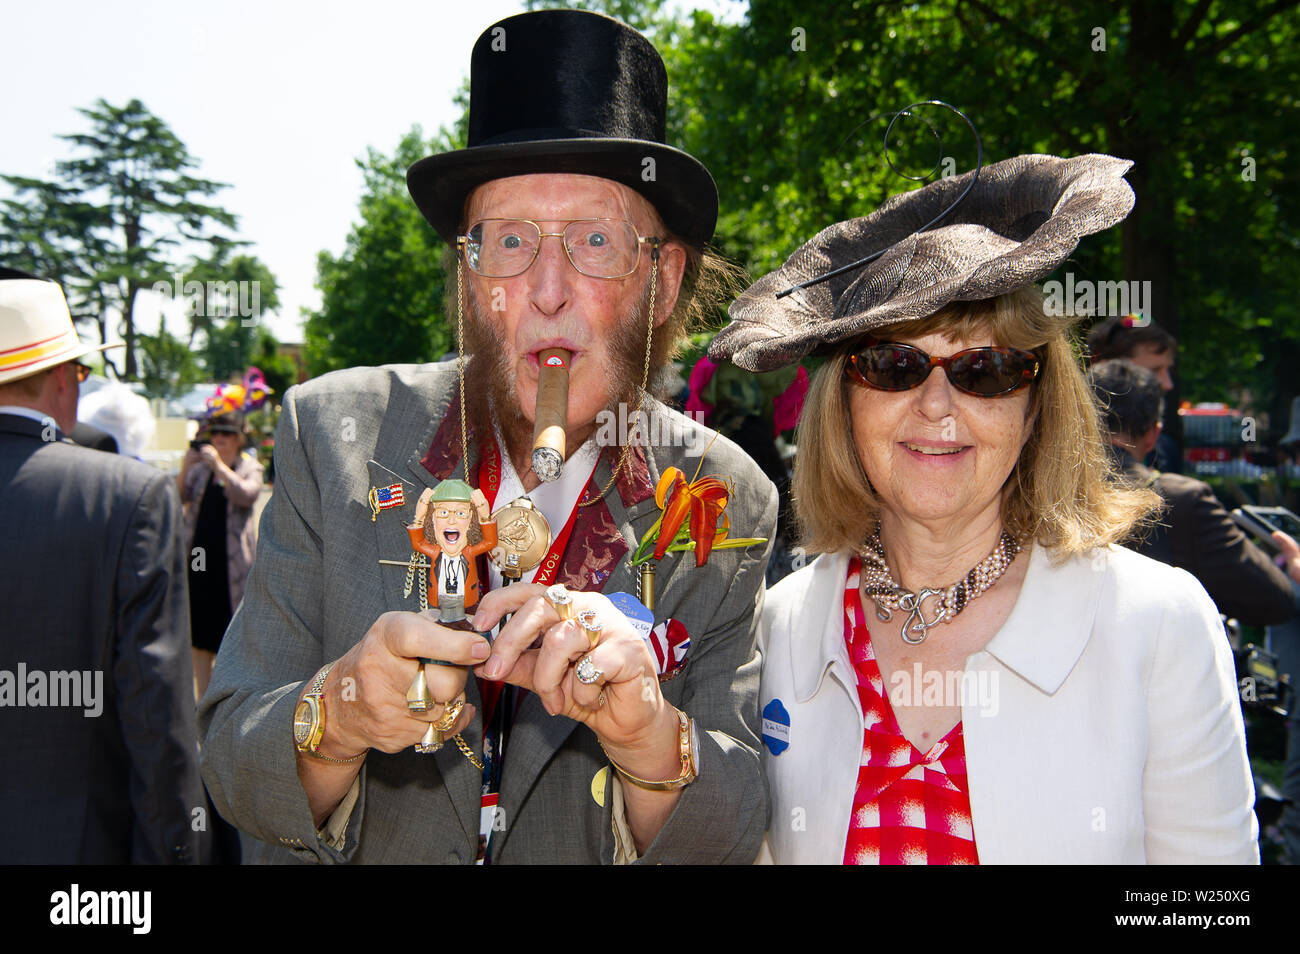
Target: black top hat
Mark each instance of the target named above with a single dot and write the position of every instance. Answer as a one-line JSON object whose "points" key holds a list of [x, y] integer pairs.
{"points": [[568, 91]]}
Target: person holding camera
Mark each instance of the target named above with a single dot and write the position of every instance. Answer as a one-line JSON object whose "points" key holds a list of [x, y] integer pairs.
{"points": [[219, 485]]}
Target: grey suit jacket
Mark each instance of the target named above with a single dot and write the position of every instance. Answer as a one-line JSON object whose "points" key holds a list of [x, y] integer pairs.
{"points": [[316, 588], [92, 580]]}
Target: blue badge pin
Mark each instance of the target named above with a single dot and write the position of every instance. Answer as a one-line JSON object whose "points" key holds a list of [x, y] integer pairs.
{"points": [[642, 619], [776, 727]]}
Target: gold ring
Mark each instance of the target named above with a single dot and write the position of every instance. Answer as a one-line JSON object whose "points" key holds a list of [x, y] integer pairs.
{"points": [[591, 626], [561, 601], [450, 714], [418, 698], [431, 743]]}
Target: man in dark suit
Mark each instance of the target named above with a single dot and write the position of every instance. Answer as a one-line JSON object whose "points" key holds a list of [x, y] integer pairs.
{"points": [[98, 754], [1196, 533], [1148, 346]]}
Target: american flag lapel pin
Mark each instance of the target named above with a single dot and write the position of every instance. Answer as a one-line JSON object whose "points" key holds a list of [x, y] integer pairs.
{"points": [[386, 497]]}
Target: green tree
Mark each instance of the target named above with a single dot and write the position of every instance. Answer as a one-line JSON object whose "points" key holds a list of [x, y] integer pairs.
{"points": [[167, 365], [237, 290], [382, 300], [114, 218], [775, 107]]}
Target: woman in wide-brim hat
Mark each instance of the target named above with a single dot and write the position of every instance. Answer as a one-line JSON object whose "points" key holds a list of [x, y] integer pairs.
{"points": [[1024, 690]]}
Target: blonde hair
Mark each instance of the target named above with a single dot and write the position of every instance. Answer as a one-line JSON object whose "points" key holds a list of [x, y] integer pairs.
{"points": [[1062, 491]]}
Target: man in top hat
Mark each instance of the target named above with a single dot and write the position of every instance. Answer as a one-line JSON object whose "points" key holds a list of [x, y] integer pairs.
{"points": [[575, 227], [97, 741]]}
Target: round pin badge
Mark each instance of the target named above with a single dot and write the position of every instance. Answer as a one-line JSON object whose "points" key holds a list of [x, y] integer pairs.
{"points": [[776, 727], [598, 783]]}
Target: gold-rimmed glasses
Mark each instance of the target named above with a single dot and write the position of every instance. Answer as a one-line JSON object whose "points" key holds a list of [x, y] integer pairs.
{"points": [[597, 248]]}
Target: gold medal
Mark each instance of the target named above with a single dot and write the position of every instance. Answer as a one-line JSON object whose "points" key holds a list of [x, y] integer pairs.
{"points": [[523, 536]]}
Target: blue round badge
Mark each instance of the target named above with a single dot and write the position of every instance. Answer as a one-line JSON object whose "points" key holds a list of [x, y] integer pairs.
{"points": [[776, 727]]}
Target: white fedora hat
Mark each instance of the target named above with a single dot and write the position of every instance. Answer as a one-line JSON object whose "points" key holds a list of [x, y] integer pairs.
{"points": [[36, 330]]}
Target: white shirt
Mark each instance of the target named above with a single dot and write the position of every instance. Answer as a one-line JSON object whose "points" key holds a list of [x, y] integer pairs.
{"points": [[451, 569]]}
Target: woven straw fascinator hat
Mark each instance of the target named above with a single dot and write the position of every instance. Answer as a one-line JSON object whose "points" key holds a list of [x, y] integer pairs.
{"points": [[1021, 219]]}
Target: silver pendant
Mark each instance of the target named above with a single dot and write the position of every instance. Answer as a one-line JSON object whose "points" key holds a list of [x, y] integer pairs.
{"points": [[915, 627]]}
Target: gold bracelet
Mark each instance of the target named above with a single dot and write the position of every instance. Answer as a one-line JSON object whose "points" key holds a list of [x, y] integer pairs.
{"points": [[688, 744], [326, 758]]}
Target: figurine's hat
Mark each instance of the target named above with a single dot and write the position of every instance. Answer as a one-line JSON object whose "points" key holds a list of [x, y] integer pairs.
{"points": [[451, 490]]}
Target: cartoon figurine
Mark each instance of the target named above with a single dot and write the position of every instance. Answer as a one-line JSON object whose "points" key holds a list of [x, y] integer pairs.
{"points": [[453, 585]]}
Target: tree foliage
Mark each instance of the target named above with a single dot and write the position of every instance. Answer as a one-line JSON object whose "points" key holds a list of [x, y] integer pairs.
{"points": [[118, 217], [382, 300], [787, 108], [1189, 91]]}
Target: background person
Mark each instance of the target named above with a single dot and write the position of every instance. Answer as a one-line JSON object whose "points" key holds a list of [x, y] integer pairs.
{"points": [[122, 414], [1284, 641], [951, 472], [92, 581], [219, 485], [1149, 346], [1196, 533]]}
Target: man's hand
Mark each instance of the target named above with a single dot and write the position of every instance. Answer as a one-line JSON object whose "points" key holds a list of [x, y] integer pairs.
{"points": [[366, 690], [624, 707]]}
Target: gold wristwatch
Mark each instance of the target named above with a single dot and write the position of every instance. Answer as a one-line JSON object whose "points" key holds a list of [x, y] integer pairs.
{"points": [[309, 721]]}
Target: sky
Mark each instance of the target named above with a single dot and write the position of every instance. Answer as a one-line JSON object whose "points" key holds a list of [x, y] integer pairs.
{"points": [[276, 98]]}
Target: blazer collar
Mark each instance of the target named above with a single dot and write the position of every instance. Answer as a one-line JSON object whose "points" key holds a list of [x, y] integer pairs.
{"points": [[1042, 639], [1051, 623], [27, 427], [824, 600]]}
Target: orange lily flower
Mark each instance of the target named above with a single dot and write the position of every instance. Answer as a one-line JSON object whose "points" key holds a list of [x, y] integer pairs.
{"points": [[703, 499]]}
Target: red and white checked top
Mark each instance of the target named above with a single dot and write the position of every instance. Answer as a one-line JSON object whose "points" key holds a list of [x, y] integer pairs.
{"points": [[910, 808]]}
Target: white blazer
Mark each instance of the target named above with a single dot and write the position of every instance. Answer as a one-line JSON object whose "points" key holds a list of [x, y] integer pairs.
{"points": [[1110, 730]]}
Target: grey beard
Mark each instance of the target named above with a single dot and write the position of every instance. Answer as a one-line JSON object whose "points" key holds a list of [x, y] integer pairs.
{"points": [[491, 367]]}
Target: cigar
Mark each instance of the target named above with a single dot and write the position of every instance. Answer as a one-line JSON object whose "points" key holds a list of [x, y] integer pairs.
{"points": [[551, 414]]}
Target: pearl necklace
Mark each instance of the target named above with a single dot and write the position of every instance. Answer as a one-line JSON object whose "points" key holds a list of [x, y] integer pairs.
{"points": [[878, 583]]}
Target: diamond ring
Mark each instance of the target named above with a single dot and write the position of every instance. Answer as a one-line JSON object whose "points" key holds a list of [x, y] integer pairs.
{"points": [[561, 601], [591, 626], [587, 672]]}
